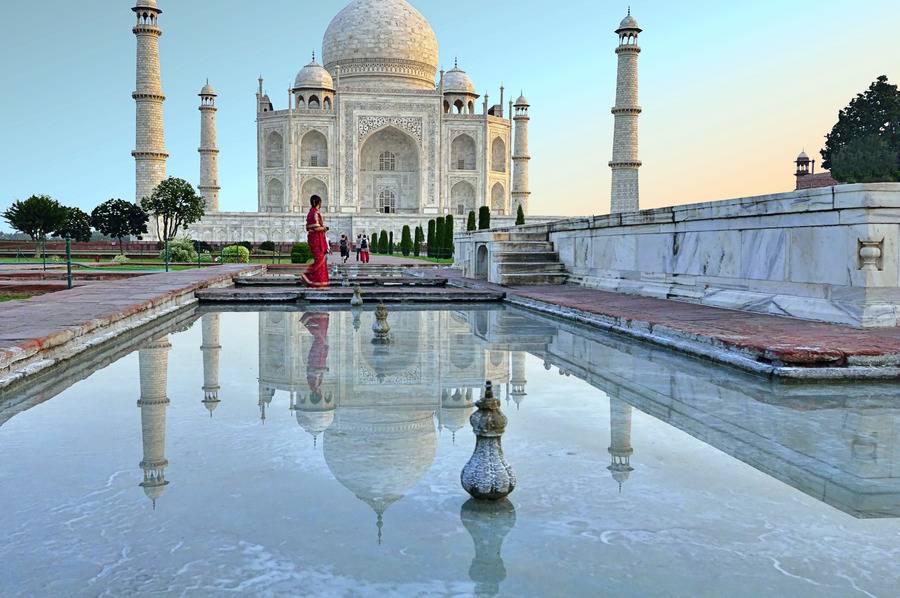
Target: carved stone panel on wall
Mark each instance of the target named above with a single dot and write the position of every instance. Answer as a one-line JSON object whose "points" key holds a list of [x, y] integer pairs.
{"points": [[409, 124]]}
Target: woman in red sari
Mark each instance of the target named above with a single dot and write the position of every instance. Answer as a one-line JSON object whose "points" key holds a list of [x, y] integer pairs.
{"points": [[317, 273]]}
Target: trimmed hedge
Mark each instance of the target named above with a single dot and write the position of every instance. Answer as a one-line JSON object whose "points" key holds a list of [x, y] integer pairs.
{"points": [[235, 254], [300, 253]]}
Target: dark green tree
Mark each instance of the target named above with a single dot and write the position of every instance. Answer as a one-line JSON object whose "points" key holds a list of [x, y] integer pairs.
{"points": [[470, 223], [175, 204], [118, 219], [520, 216], [417, 241], [383, 242], [37, 217], [406, 243], [867, 159], [484, 217], [391, 243], [448, 236], [873, 113], [373, 243], [439, 237], [429, 247], [77, 226]]}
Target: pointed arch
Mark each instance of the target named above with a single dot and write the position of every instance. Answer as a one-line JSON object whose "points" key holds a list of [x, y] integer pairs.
{"points": [[462, 153], [274, 150], [498, 155], [314, 149], [498, 199], [462, 198]]}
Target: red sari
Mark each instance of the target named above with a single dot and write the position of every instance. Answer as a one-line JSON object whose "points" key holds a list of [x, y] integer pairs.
{"points": [[317, 359], [317, 273]]}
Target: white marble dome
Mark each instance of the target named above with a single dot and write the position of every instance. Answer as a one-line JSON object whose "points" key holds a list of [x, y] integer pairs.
{"points": [[314, 76], [457, 80], [628, 23], [208, 90], [381, 43]]}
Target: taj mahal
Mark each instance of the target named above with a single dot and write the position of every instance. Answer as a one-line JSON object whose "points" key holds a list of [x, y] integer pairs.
{"points": [[373, 125]]}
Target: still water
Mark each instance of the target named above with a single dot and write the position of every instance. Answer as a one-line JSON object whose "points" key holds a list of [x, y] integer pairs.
{"points": [[282, 453]]}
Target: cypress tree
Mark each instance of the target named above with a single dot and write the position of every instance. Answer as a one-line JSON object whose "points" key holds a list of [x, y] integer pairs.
{"points": [[520, 216], [405, 241], [373, 243], [484, 217], [383, 242], [439, 237], [391, 243], [470, 223], [417, 241], [448, 236], [430, 241]]}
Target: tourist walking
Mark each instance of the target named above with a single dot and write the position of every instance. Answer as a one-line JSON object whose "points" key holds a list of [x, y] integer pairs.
{"points": [[316, 274], [357, 246], [364, 249], [345, 248]]}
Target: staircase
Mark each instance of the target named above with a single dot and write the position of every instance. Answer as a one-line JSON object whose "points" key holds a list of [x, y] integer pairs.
{"points": [[527, 258]]}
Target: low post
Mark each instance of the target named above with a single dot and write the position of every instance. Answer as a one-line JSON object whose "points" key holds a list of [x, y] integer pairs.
{"points": [[68, 261], [166, 252], [44, 252]]}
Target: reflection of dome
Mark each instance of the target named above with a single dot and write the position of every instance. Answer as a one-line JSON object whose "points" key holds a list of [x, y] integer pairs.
{"points": [[399, 357], [456, 408], [383, 41], [379, 454], [313, 76], [316, 414], [456, 80]]}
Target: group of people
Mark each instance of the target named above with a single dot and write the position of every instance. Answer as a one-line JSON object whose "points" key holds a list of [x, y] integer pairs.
{"points": [[316, 274], [361, 247]]}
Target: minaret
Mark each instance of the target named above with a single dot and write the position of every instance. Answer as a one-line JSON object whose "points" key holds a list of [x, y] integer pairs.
{"points": [[520, 157], [620, 440], [211, 348], [209, 154], [625, 161], [153, 360], [149, 151], [517, 376]]}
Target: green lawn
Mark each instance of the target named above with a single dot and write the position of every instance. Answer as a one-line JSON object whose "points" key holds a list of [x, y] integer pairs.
{"points": [[435, 260], [14, 296]]}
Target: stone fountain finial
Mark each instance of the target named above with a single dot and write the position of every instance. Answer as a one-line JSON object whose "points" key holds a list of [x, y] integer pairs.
{"points": [[356, 300], [487, 475], [381, 328]]}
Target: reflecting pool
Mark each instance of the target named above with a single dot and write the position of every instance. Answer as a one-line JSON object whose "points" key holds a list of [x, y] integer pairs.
{"points": [[281, 452]]}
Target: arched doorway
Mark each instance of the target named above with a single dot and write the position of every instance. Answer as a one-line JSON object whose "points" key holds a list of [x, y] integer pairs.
{"points": [[481, 262], [498, 200], [313, 187], [462, 198], [389, 167]]}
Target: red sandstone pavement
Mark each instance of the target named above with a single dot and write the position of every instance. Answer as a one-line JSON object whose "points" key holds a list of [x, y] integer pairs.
{"points": [[778, 339], [32, 325]]}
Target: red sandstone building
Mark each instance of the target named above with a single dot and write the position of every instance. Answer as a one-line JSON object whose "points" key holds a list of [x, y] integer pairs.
{"points": [[807, 177]]}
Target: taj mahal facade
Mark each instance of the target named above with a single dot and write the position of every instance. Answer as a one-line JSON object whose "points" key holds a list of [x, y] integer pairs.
{"points": [[383, 136]]}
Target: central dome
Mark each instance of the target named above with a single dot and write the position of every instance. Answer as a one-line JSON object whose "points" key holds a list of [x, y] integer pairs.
{"points": [[381, 43]]}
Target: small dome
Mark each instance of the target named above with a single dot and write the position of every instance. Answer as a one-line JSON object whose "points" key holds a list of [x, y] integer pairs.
{"points": [[628, 23], [457, 81], [314, 76], [207, 90], [145, 4], [803, 157], [521, 101]]}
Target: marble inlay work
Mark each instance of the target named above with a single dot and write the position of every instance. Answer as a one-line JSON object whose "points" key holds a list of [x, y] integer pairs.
{"points": [[829, 254]]}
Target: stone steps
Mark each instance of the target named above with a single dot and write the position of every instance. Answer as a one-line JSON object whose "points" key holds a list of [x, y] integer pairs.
{"points": [[532, 278], [525, 256], [532, 266], [523, 246]]}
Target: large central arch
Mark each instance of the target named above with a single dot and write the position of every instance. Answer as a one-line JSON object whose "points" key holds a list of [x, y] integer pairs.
{"points": [[389, 164]]}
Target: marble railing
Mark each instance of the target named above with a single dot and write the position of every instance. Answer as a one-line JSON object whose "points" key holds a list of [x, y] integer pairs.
{"points": [[829, 254]]}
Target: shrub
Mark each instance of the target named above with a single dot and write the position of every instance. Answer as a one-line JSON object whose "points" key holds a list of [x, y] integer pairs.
{"points": [[405, 241], [390, 243], [484, 217], [205, 258], [121, 258], [470, 223], [202, 246], [417, 241], [180, 250], [430, 242], [520, 216], [373, 243], [383, 242], [55, 259], [448, 236], [300, 253], [267, 246], [235, 254], [438, 237]]}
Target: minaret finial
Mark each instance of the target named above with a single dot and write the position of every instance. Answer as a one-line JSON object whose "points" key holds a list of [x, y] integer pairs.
{"points": [[455, 62], [629, 10], [314, 55]]}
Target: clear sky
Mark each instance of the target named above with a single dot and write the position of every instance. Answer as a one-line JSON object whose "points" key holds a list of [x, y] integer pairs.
{"points": [[731, 91]]}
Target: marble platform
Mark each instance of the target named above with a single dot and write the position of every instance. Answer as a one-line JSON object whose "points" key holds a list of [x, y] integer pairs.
{"points": [[830, 254]]}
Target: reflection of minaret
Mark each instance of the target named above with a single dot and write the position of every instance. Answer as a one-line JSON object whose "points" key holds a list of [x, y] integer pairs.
{"points": [[517, 377], [488, 522], [620, 440], [265, 399], [211, 348], [153, 360]]}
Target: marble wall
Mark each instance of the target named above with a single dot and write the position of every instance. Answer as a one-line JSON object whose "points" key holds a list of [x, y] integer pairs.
{"points": [[827, 254]]}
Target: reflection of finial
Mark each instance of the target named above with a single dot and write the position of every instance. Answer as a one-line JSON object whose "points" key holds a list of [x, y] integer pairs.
{"points": [[315, 440], [379, 524], [154, 503]]}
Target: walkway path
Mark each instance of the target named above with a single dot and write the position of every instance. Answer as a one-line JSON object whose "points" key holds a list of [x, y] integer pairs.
{"points": [[774, 344], [32, 329]]}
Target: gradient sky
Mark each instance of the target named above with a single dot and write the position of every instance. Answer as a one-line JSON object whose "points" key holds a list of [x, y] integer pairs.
{"points": [[731, 91]]}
